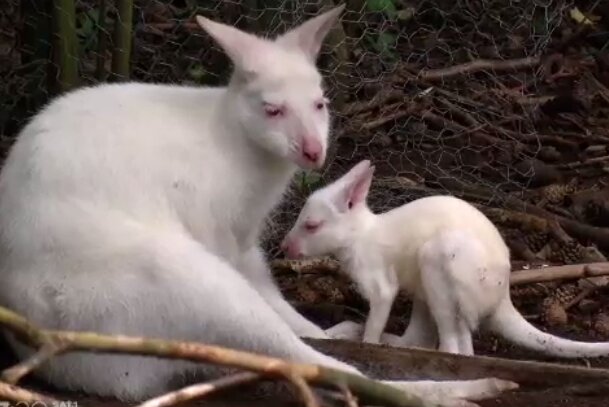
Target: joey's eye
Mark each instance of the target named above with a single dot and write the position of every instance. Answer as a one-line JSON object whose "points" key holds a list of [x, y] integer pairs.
{"points": [[311, 226], [321, 104], [273, 110]]}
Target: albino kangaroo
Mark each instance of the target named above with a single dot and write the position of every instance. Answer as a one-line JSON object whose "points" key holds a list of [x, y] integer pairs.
{"points": [[441, 249], [137, 209]]}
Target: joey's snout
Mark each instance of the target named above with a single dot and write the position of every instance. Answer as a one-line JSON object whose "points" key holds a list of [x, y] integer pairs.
{"points": [[291, 248]]}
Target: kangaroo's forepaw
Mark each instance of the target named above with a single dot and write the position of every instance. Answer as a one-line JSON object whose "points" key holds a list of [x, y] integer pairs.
{"points": [[347, 330]]}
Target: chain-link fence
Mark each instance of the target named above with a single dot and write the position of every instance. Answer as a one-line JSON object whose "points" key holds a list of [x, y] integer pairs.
{"points": [[502, 102]]}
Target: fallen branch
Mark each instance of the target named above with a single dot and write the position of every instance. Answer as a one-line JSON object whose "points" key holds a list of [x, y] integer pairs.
{"points": [[199, 390], [480, 65], [567, 272], [426, 364], [366, 388]]}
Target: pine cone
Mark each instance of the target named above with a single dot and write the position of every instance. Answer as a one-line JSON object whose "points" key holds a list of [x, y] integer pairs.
{"points": [[556, 193], [536, 241], [601, 325], [530, 290], [566, 293], [567, 253], [553, 312]]}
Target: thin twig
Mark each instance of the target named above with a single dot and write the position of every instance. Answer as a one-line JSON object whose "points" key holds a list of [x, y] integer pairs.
{"points": [[480, 65], [350, 399], [13, 393], [305, 390], [13, 374], [199, 390], [579, 297]]}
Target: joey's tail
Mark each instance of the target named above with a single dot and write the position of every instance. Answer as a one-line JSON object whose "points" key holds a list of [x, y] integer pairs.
{"points": [[510, 324]]}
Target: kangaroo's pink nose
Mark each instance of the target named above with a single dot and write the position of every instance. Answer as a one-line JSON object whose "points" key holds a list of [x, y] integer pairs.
{"points": [[312, 150]]}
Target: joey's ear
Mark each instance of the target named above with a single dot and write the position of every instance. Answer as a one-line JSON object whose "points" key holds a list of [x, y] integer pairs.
{"points": [[309, 36], [242, 48], [354, 186]]}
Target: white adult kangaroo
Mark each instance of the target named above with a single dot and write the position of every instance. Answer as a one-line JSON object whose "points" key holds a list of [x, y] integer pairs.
{"points": [[137, 209], [440, 249]]}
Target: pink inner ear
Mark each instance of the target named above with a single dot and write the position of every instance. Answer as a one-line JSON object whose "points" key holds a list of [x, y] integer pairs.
{"points": [[359, 188]]}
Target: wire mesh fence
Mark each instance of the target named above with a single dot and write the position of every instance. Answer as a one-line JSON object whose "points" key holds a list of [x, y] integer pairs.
{"points": [[501, 102]]}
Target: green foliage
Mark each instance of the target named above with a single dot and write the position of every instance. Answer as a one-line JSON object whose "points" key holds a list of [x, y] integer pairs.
{"points": [[384, 44], [198, 73], [384, 6], [309, 181], [86, 30]]}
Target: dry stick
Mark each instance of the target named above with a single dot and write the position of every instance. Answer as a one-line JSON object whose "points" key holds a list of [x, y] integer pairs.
{"points": [[568, 272], [577, 299], [199, 390], [369, 389], [13, 374], [378, 100], [350, 399], [480, 65], [13, 393], [305, 390]]}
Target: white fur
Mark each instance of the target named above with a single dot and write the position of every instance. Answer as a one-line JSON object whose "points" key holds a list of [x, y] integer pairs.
{"points": [[137, 209], [449, 257]]}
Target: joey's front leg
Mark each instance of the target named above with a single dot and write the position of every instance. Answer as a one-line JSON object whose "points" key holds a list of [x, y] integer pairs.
{"points": [[381, 292]]}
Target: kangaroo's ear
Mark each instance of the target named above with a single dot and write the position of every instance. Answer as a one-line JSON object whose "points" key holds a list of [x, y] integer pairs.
{"points": [[352, 188], [242, 48], [309, 36]]}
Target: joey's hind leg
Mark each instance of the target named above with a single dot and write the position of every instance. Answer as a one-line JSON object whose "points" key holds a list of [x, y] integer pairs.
{"points": [[446, 263], [421, 331]]}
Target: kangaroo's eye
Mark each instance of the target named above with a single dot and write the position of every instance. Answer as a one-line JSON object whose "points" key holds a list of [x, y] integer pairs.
{"points": [[311, 226], [273, 110]]}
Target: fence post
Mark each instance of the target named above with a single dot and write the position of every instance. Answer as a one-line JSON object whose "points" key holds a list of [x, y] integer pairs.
{"points": [[65, 49], [123, 28]]}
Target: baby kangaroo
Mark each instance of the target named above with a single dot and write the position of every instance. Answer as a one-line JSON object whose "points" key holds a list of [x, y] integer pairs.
{"points": [[448, 256]]}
